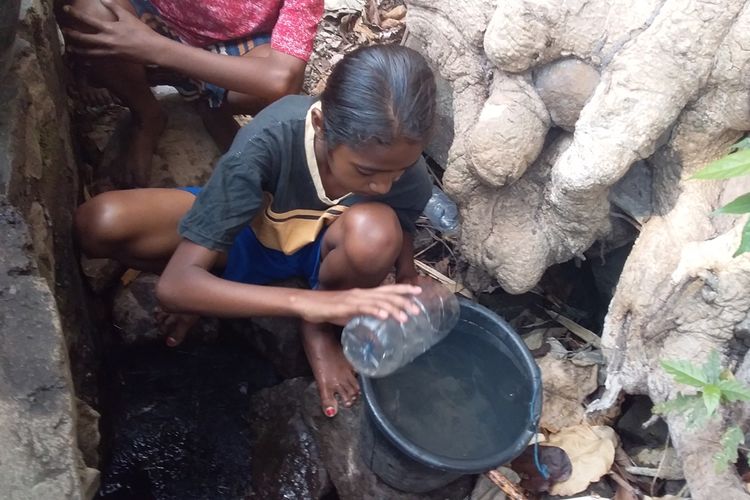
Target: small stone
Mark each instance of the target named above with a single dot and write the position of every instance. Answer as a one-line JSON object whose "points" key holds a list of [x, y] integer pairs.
{"points": [[665, 460]]}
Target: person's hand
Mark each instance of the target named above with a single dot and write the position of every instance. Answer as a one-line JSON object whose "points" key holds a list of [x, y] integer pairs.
{"points": [[340, 306], [125, 38]]}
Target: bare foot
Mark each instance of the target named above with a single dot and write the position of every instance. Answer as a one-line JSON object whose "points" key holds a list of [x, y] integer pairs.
{"points": [[144, 138], [175, 326], [333, 373]]}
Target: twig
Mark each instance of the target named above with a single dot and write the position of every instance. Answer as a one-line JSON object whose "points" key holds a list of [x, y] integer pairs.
{"points": [[623, 483], [505, 485], [445, 280], [583, 333], [661, 463], [422, 251]]}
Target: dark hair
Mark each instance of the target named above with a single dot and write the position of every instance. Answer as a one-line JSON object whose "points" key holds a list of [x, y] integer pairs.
{"points": [[379, 94]]}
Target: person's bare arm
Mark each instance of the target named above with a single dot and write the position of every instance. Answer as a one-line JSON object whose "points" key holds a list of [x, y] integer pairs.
{"points": [[187, 286], [130, 39]]}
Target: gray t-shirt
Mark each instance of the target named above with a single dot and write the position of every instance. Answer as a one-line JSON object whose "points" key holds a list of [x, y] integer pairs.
{"points": [[269, 180]]}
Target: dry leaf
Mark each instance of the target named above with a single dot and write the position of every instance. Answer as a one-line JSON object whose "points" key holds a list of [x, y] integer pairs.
{"points": [[364, 34], [565, 386], [506, 486], [129, 276], [371, 13], [397, 13], [338, 6], [591, 451], [388, 24]]}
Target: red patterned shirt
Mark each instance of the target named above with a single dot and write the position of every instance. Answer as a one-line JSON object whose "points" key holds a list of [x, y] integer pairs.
{"points": [[291, 23]]}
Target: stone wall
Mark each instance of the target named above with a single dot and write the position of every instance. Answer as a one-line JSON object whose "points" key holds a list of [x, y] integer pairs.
{"points": [[42, 316]]}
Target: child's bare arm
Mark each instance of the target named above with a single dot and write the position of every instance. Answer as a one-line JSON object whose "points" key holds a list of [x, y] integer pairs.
{"points": [[130, 39], [187, 286]]}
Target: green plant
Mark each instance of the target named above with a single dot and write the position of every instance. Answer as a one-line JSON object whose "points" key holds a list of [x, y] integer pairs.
{"points": [[714, 387], [735, 164]]}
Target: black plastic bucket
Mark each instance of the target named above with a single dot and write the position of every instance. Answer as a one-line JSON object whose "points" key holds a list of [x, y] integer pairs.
{"points": [[468, 405]]}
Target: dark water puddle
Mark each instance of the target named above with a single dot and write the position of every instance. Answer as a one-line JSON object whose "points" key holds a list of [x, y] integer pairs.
{"points": [[177, 425]]}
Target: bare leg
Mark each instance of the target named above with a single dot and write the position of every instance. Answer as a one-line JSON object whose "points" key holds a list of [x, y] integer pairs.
{"points": [[139, 228], [359, 250], [128, 82]]}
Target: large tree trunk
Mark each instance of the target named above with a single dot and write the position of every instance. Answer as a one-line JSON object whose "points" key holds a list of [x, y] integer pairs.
{"points": [[657, 81]]}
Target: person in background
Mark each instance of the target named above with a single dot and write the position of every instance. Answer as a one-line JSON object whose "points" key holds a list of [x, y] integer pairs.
{"points": [[328, 190], [231, 56]]}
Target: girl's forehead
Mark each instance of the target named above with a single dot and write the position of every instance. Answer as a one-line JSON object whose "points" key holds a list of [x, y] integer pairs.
{"points": [[400, 154]]}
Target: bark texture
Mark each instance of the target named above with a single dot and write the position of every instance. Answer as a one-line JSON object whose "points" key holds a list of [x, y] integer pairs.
{"points": [[658, 86]]}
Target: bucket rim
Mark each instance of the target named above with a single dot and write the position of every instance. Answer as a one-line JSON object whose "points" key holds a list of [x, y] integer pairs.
{"points": [[466, 466]]}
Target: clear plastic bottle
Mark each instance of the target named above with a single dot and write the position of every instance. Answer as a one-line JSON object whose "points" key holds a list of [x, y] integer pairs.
{"points": [[442, 212], [377, 347]]}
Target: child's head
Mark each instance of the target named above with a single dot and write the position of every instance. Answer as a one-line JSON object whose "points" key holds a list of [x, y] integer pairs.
{"points": [[377, 95], [377, 113]]}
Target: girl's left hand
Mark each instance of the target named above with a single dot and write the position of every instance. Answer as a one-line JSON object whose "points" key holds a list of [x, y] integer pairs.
{"points": [[339, 306], [127, 37]]}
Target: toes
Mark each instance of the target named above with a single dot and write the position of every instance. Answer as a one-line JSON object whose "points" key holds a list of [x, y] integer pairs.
{"points": [[328, 401], [349, 391], [178, 333]]}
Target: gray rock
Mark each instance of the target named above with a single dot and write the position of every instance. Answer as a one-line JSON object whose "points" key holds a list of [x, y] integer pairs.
{"points": [[88, 433], [339, 441], [565, 86], [286, 460], [665, 462], [633, 194], [277, 339], [101, 274], [133, 313], [39, 456], [443, 131]]}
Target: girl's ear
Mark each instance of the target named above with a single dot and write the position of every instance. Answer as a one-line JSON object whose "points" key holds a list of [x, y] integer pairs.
{"points": [[317, 122]]}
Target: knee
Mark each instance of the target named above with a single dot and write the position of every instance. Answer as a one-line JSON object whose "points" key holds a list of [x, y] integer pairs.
{"points": [[98, 225], [92, 8], [372, 237]]}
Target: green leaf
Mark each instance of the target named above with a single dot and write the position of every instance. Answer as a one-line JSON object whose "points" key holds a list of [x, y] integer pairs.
{"points": [[740, 205], [743, 144], [712, 367], [730, 442], [732, 165], [685, 372], [711, 398], [745, 243], [734, 390], [680, 404]]}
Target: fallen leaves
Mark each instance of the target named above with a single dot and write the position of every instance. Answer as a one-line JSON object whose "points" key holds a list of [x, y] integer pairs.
{"points": [[565, 387], [346, 25], [591, 450]]}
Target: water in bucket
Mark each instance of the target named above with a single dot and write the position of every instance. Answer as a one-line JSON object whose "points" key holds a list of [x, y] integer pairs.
{"points": [[467, 405], [465, 398]]}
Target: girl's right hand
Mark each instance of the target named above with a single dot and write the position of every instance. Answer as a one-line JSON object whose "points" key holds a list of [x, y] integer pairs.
{"points": [[338, 307]]}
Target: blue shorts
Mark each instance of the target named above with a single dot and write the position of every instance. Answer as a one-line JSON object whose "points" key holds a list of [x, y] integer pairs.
{"points": [[248, 261], [190, 88]]}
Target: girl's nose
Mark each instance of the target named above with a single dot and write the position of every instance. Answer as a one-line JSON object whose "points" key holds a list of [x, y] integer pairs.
{"points": [[380, 187]]}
